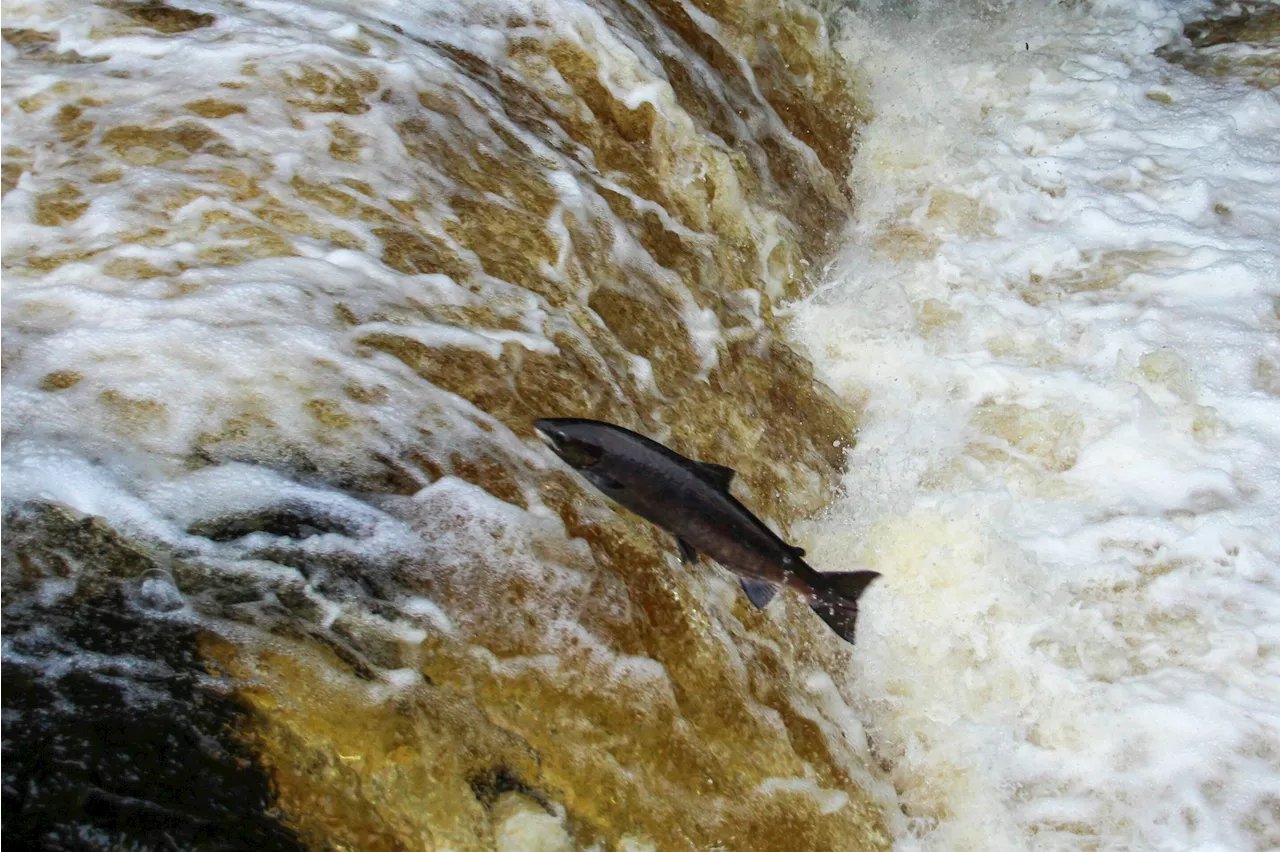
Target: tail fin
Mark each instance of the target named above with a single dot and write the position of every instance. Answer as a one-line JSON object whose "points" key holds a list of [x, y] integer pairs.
{"points": [[836, 600]]}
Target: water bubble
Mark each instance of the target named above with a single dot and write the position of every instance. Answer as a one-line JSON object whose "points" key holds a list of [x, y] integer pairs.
{"points": [[156, 591]]}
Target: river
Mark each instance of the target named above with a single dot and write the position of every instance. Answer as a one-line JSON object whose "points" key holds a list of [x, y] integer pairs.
{"points": [[983, 296]]}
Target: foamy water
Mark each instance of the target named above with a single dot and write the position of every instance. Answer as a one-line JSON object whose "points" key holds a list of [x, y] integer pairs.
{"points": [[1059, 306], [1056, 312]]}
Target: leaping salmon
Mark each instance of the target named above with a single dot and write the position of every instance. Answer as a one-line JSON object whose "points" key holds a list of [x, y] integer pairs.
{"points": [[691, 500]]}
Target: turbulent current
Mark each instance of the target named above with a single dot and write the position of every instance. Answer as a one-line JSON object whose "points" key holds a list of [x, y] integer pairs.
{"points": [[982, 296]]}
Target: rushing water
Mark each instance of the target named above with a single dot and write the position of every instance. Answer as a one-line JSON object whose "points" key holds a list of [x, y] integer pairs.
{"points": [[1060, 301], [286, 286], [285, 283]]}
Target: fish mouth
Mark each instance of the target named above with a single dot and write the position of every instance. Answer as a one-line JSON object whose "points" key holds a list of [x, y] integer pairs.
{"points": [[539, 429], [579, 452]]}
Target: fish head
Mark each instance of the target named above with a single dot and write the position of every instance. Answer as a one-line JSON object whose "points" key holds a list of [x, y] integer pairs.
{"points": [[575, 441]]}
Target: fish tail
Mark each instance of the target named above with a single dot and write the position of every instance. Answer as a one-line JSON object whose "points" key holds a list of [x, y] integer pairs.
{"points": [[836, 600]]}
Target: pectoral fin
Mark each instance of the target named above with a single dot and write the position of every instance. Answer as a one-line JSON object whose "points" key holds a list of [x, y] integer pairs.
{"points": [[758, 592], [688, 553]]}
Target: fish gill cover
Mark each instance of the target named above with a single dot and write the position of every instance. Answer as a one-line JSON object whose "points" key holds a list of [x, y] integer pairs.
{"points": [[284, 287]]}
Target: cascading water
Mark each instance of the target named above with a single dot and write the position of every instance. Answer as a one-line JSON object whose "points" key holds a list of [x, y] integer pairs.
{"points": [[286, 286], [1059, 301], [980, 296]]}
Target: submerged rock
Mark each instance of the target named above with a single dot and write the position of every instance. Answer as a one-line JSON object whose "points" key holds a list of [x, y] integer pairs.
{"points": [[115, 734]]}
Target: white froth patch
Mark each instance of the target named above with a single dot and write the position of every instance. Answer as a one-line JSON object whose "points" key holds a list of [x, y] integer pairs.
{"points": [[479, 545], [828, 801], [522, 825], [393, 682], [1056, 310], [634, 844], [429, 611], [234, 487]]}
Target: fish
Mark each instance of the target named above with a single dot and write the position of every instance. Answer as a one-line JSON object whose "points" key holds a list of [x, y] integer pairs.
{"points": [[690, 500]]}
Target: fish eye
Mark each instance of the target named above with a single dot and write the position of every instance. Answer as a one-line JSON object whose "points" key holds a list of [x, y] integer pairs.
{"points": [[579, 453]]}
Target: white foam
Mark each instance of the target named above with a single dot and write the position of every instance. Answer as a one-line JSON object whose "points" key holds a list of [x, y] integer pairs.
{"points": [[429, 611], [524, 826], [828, 801], [1070, 654]]}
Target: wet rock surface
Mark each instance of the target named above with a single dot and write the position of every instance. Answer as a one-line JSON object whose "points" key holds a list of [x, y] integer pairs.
{"points": [[115, 734], [286, 332]]}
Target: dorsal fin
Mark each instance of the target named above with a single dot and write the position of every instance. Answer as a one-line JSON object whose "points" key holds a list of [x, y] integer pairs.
{"points": [[716, 474]]}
